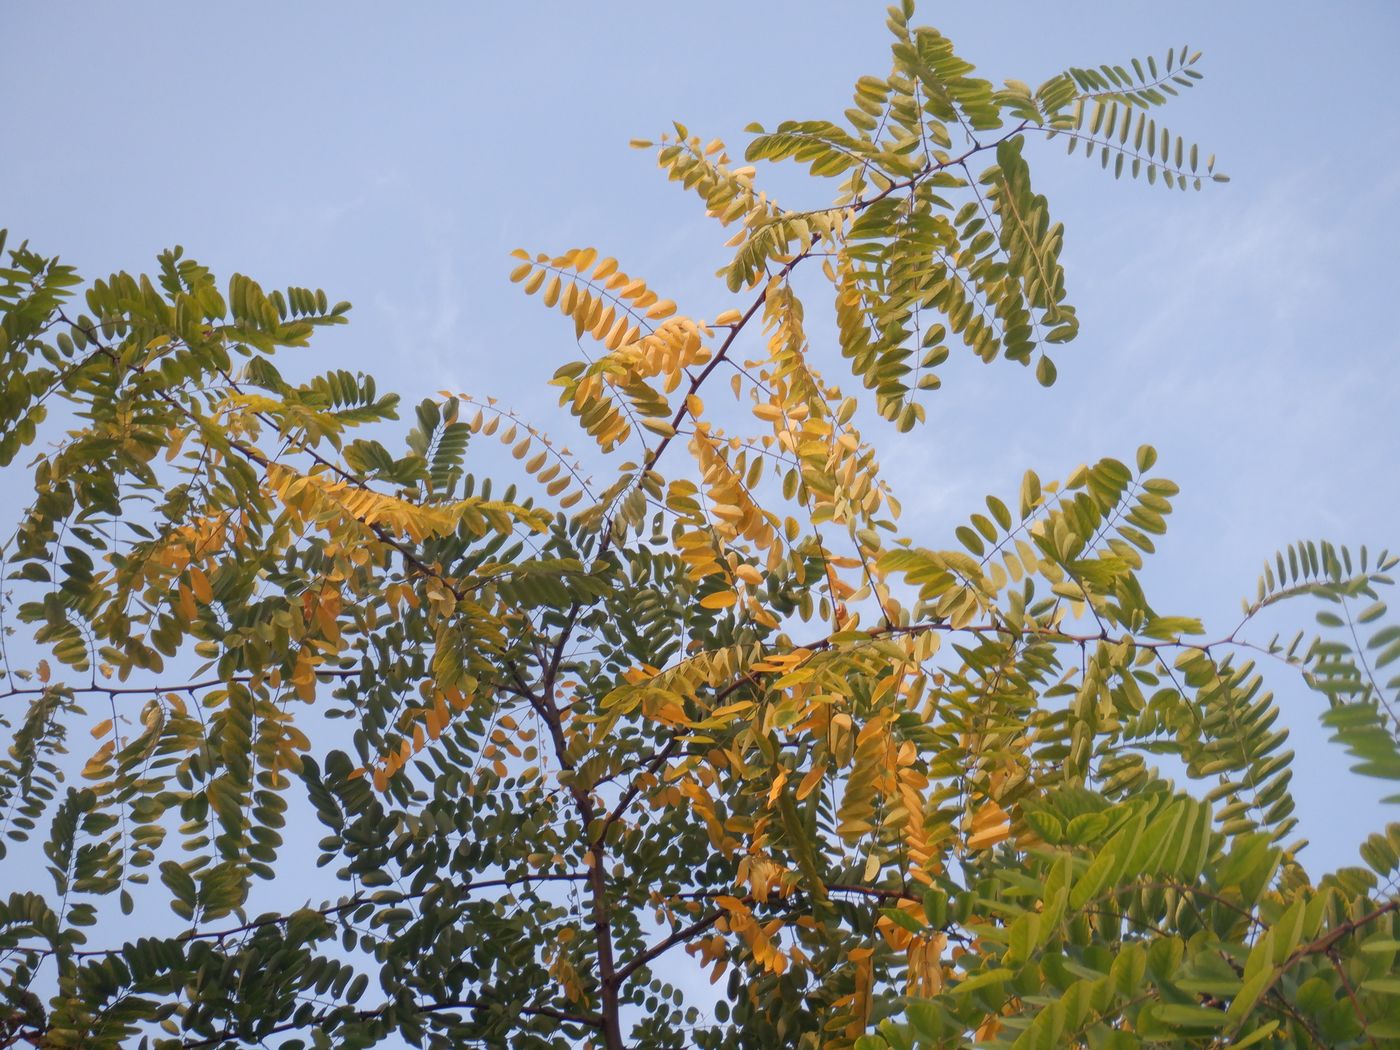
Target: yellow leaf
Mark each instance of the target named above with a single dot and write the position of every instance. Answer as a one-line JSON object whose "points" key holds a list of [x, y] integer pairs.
{"points": [[989, 1028], [604, 322], [810, 781], [617, 335], [749, 574], [988, 826], [184, 599], [719, 600]]}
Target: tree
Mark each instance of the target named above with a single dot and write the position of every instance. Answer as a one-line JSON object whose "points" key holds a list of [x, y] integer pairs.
{"points": [[900, 795]]}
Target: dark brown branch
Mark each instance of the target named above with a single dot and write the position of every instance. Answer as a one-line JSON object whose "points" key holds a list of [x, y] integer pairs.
{"points": [[475, 1003], [333, 909], [141, 690], [1328, 940], [686, 933], [544, 706], [681, 936], [637, 784], [1351, 993]]}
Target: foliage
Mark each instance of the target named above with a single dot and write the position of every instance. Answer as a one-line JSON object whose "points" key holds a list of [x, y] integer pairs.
{"points": [[895, 794]]}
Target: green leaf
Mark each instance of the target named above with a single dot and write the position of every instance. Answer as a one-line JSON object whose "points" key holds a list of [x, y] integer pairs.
{"points": [[1179, 1015]]}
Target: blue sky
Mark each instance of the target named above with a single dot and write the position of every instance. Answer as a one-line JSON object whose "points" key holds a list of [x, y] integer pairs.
{"points": [[394, 157]]}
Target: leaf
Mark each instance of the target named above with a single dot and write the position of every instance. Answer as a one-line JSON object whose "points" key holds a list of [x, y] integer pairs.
{"points": [[1258, 1035], [988, 826], [1181, 1016], [719, 600], [983, 979]]}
